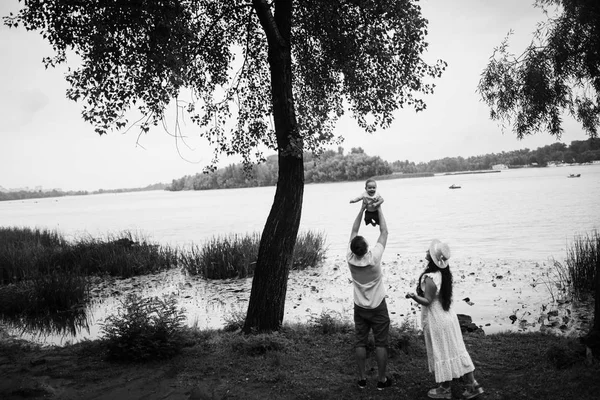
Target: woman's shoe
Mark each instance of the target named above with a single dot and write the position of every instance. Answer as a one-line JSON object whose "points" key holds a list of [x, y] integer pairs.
{"points": [[472, 390], [440, 392]]}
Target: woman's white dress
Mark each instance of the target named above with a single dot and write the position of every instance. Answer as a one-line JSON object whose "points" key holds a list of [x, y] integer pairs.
{"points": [[446, 353]]}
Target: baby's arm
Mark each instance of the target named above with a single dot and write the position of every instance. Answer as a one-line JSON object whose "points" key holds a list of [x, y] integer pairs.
{"points": [[378, 201], [357, 199]]}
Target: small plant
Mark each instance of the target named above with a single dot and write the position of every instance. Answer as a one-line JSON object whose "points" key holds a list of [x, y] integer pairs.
{"points": [[234, 321], [330, 322], [557, 282], [405, 338], [144, 329]]}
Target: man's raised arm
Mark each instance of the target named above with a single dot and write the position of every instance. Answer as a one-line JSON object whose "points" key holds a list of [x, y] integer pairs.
{"points": [[383, 229], [357, 221]]}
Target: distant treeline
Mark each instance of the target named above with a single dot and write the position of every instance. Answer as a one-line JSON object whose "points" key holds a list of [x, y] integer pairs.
{"points": [[329, 167], [335, 166], [38, 194]]}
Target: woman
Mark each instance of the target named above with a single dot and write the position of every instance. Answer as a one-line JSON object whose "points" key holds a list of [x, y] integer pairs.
{"points": [[446, 353]]}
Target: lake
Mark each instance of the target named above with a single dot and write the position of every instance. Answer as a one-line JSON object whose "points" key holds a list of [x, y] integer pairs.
{"points": [[517, 215], [529, 213]]}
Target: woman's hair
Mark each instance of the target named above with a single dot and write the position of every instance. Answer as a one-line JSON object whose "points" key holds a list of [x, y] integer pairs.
{"points": [[359, 246], [446, 289]]}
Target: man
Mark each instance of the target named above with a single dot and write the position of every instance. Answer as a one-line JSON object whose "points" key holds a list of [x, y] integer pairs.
{"points": [[370, 308]]}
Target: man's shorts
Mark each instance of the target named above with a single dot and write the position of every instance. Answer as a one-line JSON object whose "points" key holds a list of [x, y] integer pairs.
{"points": [[377, 319]]}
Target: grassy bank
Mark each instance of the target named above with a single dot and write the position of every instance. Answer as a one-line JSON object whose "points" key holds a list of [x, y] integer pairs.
{"points": [[309, 361]]}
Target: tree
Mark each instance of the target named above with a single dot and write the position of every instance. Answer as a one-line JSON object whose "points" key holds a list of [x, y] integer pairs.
{"points": [[559, 72], [281, 71]]}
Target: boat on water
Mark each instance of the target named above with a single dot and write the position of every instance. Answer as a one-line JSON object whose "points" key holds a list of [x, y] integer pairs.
{"points": [[574, 176], [453, 186]]}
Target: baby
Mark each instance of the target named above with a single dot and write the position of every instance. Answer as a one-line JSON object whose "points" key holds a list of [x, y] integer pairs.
{"points": [[372, 200]]}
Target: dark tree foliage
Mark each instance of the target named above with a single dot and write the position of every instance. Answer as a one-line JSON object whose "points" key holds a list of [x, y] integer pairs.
{"points": [[558, 72], [253, 75]]}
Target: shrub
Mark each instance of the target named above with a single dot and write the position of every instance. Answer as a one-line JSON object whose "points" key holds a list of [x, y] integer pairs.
{"points": [[144, 329]]}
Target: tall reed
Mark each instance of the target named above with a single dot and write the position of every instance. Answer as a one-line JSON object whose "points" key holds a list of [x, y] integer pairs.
{"points": [[23, 249], [25, 253], [583, 262], [234, 256], [223, 257], [309, 250]]}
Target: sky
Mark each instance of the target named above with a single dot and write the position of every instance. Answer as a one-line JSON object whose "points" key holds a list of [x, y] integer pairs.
{"points": [[45, 143]]}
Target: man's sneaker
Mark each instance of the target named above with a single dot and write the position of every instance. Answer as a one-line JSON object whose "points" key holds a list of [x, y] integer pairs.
{"points": [[472, 390], [440, 392], [362, 383], [385, 384]]}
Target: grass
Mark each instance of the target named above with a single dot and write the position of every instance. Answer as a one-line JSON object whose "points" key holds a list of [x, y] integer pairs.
{"points": [[234, 256], [316, 361]]}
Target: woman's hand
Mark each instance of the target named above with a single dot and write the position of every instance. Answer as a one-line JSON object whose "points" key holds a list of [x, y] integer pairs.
{"points": [[410, 295]]}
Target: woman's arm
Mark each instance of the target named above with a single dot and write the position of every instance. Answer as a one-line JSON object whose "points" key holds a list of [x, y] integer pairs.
{"points": [[428, 295]]}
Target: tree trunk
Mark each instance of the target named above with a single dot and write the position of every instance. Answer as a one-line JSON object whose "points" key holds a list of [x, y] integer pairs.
{"points": [[269, 285]]}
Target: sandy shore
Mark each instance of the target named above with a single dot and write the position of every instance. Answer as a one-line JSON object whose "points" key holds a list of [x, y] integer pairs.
{"points": [[499, 295]]}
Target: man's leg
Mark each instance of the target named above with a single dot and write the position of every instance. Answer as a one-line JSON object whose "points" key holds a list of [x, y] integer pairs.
{"points": [[361, 328], [381, 327], [381, 355], [361, 361]]}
